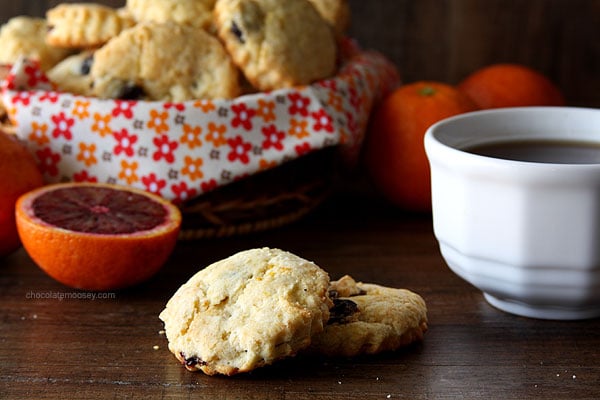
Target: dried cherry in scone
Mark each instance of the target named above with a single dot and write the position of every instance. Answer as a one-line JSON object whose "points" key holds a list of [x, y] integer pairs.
{"points": [[277, 44], [263, 305], [86, 65], [131, 92], [367, 319], [235, 29], [342, 311], [191, 362], [170, 62]]}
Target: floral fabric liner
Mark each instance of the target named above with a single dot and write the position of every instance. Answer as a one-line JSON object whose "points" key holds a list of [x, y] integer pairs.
{"points": [[181, 150]]}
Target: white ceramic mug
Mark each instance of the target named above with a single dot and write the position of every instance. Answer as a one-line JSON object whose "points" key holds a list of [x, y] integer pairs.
{"points": [[526, 233]]}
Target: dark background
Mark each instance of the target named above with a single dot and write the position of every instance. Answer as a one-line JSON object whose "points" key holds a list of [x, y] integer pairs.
{"points": [[447, 39]]}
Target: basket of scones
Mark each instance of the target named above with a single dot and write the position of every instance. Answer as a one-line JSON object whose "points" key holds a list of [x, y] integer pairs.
{"points": [[236, 110]]}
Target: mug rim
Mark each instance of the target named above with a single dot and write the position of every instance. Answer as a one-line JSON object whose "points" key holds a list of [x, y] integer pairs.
{"points": [[441, 143]]}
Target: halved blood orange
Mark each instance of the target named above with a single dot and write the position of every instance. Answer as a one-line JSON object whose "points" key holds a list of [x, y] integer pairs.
{"points": [[97, 236]]}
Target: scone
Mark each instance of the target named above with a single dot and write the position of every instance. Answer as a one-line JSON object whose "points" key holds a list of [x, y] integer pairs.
{"points": [[83, 25], [197, 13], [370, 319], [24, 36], [336, 13], [72, 74], [277, 43], [246, 311], [164, 61]]}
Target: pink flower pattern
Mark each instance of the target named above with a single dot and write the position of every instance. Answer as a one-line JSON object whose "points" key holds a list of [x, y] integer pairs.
{"points": [[125, 143], [153, 184], [182, 192], [62, 126], [239, 150], [164, 149], [123, 108], [243, 116], [273, 138]]}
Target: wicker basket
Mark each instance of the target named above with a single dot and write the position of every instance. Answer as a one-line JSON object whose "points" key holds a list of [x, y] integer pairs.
{"points": [[263, 201], [333, 112]]}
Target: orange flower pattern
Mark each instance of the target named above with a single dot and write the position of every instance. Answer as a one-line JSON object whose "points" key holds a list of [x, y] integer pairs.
{"points": [[128, 172], [216, 134], [298, 128], [101, 124], [158, 121], [266, 110], [80, 109], [191, 136], [193, 168], [39, 133], [87, 154], [182, 150]]}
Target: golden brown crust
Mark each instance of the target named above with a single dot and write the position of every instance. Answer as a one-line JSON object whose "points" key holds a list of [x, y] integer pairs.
{"points": [[277, 44], [196, 13], [83, 25], [384, 319], [24, 36], [164, 61], [72, 74], [246, 311]]}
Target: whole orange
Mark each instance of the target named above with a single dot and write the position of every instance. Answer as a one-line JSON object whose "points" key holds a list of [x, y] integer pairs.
{"points": [[18, 174], [510, 85], [97, 236], [394, 153]]}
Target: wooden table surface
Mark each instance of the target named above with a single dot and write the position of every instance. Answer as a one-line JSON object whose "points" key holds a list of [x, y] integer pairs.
{"points": [[111, 347]]}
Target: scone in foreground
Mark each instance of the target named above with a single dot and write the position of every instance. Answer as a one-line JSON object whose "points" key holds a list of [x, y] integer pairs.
{"points": [[370, 319], [262, 305], [246, 311]]}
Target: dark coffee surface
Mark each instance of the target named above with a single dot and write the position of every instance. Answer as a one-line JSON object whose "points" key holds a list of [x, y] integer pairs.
{"points": [[542, 151]]}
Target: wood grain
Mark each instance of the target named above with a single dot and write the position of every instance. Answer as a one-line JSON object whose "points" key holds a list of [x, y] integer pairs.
{"points": [[104, 348], [445, 40]]}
